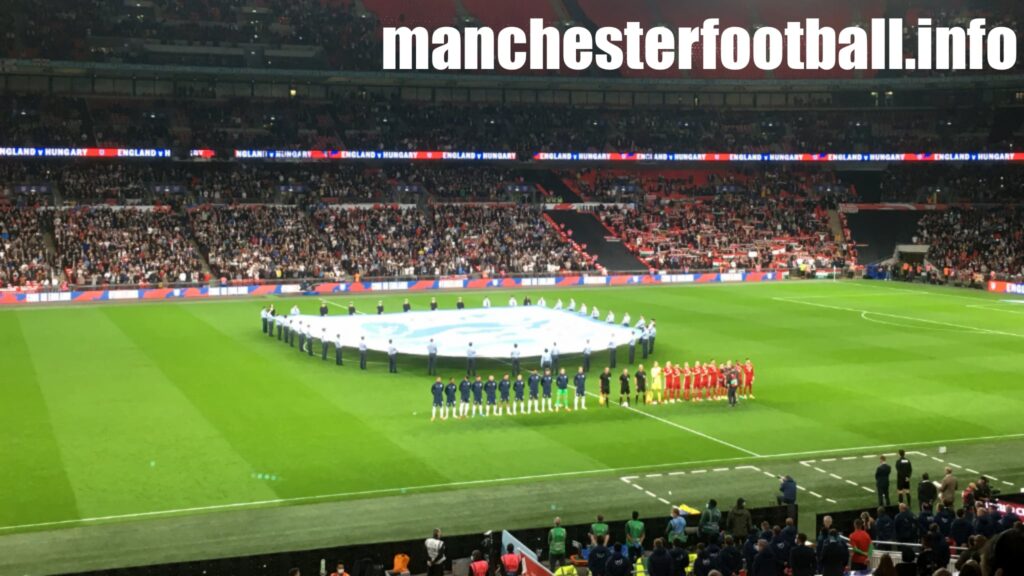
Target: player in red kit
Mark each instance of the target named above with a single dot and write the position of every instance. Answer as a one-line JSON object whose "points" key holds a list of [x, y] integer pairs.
{"points": [[747, 391], [671, 380], [687, 381], [718, 380], [699, 381]]}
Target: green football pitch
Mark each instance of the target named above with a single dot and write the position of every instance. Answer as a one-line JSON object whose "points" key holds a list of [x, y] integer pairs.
{"points": [[183, 419]]}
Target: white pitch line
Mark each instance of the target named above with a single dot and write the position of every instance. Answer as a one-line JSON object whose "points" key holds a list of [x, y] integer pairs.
{"points": [[901, 317], [490, 481], [836, 476], [637, 486], [957, 466], [996, 308], [652, 476], [852, 483], [831, 500], [805, 464], [939, 460], [813, 493], [1007, 483], [822, 470], [681, 427], [676, 473], [754, 468], [849, 457], [697, 471], [972, 471], [663, 501], [628, 479], [651, 494], [720, 470], [868, 490], [828, 459]]}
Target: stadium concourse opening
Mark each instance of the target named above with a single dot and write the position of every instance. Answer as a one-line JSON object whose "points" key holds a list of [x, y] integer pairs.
{"points": [[492, 331]]}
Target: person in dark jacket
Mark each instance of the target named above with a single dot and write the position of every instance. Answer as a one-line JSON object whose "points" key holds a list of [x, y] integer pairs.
{"points": [[618, 565], [885, 529], [944, 517], [660, 562], [834, 556], [882, 474], [802, 559], [764, 562], [962, 529], [707, 559], [925, 520], [927, 491], [739, 523], [906, 525], [730, 560], [597, 559], [938, 544], [787, 495], [750, 550], [680, 558]]}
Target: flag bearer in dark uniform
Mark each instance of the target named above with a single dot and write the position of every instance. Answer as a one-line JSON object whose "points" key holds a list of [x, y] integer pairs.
{"points": [[351, 309], [433, 303], [904, 469], [323, 308], [406, 306], [380, 307], [459, 304]]}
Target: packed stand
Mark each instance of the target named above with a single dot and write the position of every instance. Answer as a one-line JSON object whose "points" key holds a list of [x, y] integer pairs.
{"points": [[125, 246], [261, 243], [971, 246], [25, 261]]}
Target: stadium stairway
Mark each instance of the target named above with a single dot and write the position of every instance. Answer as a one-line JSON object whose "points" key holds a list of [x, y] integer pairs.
{"points": [[866, 181], [877, 232], [587, 231], [554, 185]]}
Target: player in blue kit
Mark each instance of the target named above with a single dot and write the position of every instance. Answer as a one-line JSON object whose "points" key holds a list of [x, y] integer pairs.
{"points": [[580, 380], [478, 396], [491, 388], [437, 391], [534, 383], [519, 387], [545, 384], [464, 389], [504, 386], [449, 399], [562, 383]]}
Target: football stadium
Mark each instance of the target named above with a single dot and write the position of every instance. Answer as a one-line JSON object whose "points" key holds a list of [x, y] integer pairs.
{"points": [[534, 288]]}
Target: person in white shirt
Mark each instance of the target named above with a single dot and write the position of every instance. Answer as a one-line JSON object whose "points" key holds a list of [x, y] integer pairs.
{"points": [[362, 352], [586, 356], [392, 358], [432, 358], [610, 318], [295, 310], [558, 305], [595, 314], [626, 320], [515, 359], [512, 302], [338, 360], [554, 358], [542, 302], [487, 302], [641, 323], [583, 309], [471, 360], [572, 305]]}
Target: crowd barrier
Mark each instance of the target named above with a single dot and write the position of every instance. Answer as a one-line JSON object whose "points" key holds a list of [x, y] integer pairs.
{"points": [[328, 288]]}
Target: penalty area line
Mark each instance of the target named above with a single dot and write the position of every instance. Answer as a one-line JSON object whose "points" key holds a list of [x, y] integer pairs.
{"points": [[681, 427]]}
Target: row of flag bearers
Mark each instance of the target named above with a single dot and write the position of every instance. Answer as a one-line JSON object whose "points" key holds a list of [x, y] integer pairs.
{"points": [[289, 328]]}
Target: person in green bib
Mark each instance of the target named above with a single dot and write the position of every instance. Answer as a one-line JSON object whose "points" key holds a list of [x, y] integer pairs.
{"points": [[599, 533], [635, 533], [556, 545]]}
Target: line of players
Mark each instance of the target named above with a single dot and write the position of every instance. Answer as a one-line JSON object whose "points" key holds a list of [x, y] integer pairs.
{"points": [[668, 385], [507, 396]]}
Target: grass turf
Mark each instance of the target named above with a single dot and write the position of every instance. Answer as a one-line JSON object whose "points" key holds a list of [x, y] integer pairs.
{"points": [[122, 412]]}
